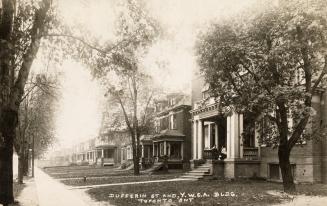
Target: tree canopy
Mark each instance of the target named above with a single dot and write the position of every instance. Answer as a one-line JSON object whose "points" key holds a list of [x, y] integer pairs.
{"points": [[270, 64]]}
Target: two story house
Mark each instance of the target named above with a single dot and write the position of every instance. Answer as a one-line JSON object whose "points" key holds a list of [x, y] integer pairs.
{"points": [[245, 156]]}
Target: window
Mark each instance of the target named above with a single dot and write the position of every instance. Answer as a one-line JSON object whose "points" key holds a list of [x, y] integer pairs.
{"points": [[274, 171], [249, 132], [175, 150], [171, 101], [162, 153], [173, 122]]}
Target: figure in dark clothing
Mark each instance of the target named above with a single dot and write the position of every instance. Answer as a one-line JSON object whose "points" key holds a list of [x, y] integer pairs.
{"points": [[215, 152]]}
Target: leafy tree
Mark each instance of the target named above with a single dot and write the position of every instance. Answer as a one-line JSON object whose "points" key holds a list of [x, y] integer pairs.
{"points": [[21, 27], [36, 120], [270, 64], [25, 28], [122, 74]]}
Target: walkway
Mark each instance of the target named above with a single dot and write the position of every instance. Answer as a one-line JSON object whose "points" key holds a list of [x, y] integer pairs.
{"points": [[28, 196], [53, 193]]}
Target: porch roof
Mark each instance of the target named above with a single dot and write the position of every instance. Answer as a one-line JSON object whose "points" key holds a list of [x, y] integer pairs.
{"points": [[106, 147], [169, 134]]}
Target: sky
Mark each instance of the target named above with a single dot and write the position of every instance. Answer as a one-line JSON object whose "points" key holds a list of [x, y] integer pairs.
{"points": [[79, 115]]}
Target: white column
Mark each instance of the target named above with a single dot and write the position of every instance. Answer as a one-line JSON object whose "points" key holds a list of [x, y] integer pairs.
{"points": [[241, 134], [256, 135], [234, 136], [142, 151], [229, 137], [200, 139], [216, 135], [102, 153], [165, 149], [209, 136], [182, 150], [194, 139]]}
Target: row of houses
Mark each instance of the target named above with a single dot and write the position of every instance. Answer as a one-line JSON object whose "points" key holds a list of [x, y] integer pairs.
{"points": [[188, 127]]}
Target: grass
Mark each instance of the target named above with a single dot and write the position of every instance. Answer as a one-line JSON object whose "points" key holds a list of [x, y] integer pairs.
{"points": [[74, 175], [117, 179], [240, 192], [247, 192], [81, 171]]}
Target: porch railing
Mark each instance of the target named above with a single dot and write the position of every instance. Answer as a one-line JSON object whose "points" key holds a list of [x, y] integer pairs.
{"points": [[250, 153], [210, 154]]}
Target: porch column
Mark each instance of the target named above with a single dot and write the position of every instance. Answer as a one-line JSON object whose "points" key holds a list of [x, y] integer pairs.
{"points": [[241, 134], [165, 149], [142, 151], [234, 137], [216, 135], [182, 150], [102, 153], [194, 139], [168, 152], [229, 137], [200, 139], [209, 135], [153, 151]]}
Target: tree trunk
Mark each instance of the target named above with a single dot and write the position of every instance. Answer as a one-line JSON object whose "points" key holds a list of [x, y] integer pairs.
{"points": [[286, 169], [21, 160], [8, 122], [136, 161], [25, 166]]}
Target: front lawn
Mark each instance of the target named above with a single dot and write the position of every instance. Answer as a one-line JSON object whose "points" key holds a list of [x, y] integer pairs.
{"points": [[81, 171], [116, 178], [190, 193], [206, 192]]}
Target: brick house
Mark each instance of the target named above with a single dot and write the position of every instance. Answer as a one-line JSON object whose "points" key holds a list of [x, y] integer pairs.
{"points": [[245, 157], [172, 138]]}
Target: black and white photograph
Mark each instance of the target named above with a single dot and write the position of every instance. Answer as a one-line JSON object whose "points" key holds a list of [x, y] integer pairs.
{"points": [[163, 102]]}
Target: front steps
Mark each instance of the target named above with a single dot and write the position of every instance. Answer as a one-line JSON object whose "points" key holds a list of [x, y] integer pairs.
{"points": [[198, 173]]}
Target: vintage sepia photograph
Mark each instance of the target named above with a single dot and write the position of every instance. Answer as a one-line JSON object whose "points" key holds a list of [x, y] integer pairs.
{"points": [[163, 102]]}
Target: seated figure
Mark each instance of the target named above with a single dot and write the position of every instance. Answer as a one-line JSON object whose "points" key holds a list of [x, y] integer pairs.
{"points": [[223, 153], [215, 152]]}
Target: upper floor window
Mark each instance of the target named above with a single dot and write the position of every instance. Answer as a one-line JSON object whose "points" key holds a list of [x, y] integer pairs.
{"points": [[172, 121], [172, 102]]}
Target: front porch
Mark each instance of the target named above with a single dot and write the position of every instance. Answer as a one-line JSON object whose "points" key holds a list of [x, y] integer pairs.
{"points": [[106, 155], [235, 134]]}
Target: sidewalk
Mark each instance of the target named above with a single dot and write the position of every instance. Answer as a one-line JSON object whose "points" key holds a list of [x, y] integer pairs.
{"points": [[53, 193], [28, 196]]}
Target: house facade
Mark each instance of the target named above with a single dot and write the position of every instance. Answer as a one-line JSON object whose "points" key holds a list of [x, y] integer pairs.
{"points": [[245, 156], [171, 141]]}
